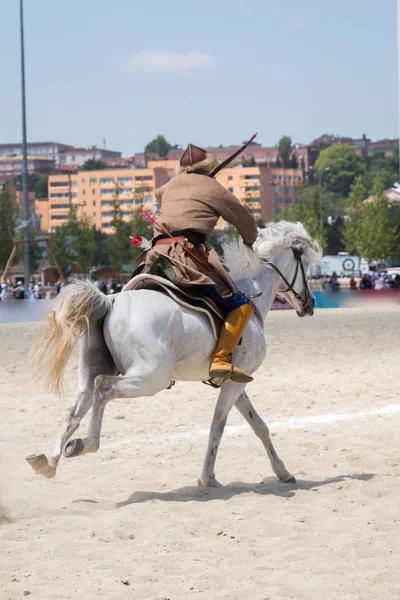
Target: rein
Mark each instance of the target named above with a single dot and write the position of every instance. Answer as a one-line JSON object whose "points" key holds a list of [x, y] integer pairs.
{"points": [[290, 286]]}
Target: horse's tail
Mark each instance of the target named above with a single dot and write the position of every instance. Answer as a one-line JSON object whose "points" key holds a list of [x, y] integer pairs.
{"points": [[77, 306]]}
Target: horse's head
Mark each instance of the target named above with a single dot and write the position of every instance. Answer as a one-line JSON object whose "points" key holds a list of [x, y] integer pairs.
{"points": [[289, 250], [291, 265]]}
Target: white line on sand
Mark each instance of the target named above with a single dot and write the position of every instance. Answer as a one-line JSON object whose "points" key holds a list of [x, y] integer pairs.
{"points": [[292, 423]]}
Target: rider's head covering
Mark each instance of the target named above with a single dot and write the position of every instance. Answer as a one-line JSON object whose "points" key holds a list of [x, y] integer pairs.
{"points": [[197, 160]]}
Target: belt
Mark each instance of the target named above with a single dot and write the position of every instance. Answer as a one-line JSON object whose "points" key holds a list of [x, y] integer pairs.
{"points": [[168, 240], [197, 253]]}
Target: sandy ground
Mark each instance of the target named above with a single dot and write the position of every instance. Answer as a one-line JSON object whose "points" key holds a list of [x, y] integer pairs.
{"points": [[129, 522]]}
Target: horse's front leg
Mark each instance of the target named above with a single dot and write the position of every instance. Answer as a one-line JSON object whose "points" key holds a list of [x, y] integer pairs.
{"points": [[261, 430], [226, 399]]}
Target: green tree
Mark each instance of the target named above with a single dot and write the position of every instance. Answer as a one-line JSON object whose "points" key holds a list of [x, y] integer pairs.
{"points": [[285, 149], [61, 245], [377, 236], [309, 212], [354, 210], [118, 245], [101, 256], [394, 158], [340, 165], [35, 252], [32, 180], [6, 224], [82, 239], [384, 167], [94, 165], [41, 187], [158, 146], [140, 226]]}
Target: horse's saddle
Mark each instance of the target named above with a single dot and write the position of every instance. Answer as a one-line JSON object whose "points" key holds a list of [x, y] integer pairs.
{"points": [[187, 297]]}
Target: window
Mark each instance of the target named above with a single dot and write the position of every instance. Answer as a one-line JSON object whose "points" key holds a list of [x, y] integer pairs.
{"points": [[124, 179], [60, 195], [107, 191], [230, 177], [60, 218], [252, 177], [63, 159], [93, 180], [83, 180], [144, 178], [106, 180], [94, 202], [230, 190], [93, 191], [124, 191], [106, 203], [84, 192], [106, 214], [94, 213], [126, 213]]}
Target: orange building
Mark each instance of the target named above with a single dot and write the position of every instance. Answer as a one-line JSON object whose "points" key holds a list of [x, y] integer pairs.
{"points": [[248, 184], [281, 192], [263, 190], [93, 192]]}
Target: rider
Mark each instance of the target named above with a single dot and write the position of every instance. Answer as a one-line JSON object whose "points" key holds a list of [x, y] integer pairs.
{"points": [[190, 206]]}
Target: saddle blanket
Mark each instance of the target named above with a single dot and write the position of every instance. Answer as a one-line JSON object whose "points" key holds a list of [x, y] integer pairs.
{"points": [[189, 300]]}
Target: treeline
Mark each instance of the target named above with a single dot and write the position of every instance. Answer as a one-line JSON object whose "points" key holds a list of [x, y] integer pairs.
{"points": [[78, 241], [333, 206]]}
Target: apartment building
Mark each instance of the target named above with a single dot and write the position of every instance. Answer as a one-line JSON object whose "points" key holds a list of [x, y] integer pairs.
{"points": [[93, 192], [249, 185], [50, 150], [282, 191], [78, 156], [11, 166]]}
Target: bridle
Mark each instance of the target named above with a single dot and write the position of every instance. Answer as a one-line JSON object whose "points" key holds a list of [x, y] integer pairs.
{"points": [[290, 286]]}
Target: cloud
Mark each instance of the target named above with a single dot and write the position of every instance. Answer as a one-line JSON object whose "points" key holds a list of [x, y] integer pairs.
{"points": [[296, 24], [159, 61]]}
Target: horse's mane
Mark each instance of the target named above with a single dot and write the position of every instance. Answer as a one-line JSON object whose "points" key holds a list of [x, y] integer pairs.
{"points": [[270, 240]]}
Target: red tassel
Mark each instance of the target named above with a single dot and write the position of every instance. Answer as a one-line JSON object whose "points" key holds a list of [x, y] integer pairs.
{"points": [[147, 215], [136, 240]]}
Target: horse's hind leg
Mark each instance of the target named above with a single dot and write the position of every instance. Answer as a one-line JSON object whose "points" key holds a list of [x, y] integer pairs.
{"points": [[94, 359], [107, 388], [261, 430]]}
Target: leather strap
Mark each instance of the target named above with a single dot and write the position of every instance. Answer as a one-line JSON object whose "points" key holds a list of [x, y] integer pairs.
{"points": [[168, 240]]}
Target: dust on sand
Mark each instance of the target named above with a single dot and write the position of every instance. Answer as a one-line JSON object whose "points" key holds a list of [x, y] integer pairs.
{"points": [[129, 522]]}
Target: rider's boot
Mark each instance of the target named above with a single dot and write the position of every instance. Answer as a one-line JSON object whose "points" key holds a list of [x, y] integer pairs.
{"points": [[231, 331]]}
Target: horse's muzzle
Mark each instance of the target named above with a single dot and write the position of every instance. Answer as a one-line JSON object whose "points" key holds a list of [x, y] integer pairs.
{"points": [[307, 310]]}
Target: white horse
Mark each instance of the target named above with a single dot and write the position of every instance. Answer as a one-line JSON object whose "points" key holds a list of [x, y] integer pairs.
{"points": [[133, 344]]}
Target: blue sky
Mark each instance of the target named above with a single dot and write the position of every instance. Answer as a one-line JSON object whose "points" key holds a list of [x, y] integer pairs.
{"points": [[129, 70]]}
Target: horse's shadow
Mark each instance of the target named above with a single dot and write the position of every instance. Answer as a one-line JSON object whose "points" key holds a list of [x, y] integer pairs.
{"points": [[269, 486]]}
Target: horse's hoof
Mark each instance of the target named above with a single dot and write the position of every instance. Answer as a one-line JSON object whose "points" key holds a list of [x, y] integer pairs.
{"points": [[210, 482], [40, 464], [73, 448], [289, 479]]}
